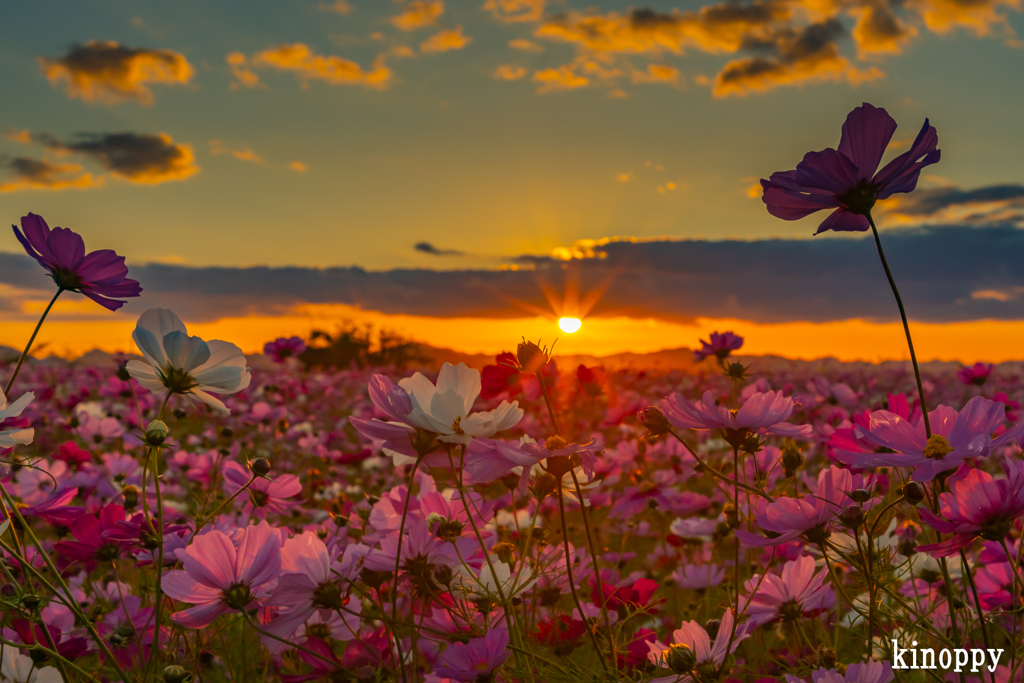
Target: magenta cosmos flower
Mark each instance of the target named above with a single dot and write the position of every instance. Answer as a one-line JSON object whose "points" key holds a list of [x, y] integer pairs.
{"points": [[476, 660], [762, 413], [844, 179], [810, 516], [224, 573], [868, 672], [100, 275], [977, 374], [720, 346], [283, 348], [977, 505], [955, 438]]}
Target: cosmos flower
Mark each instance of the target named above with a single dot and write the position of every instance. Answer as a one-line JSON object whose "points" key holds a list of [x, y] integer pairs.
{"points": [[18, 668], [224, 574], [845, 179], [275, 495], [762, 413], [694, 637], [11, 437], [956, 436], [284, 348], [100, 275], [180, 364], [720, 346], [868, 672], [977, 505], [475, 660], [797, 592], [976, 374]]}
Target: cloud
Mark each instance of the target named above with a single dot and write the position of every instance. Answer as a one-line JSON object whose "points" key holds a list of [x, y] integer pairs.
{"points": [[525, 45], [562, 78], [657, 73], [298, 166], [418, 14], [241, 70], [136, 157], [509, 72], [444, 41], [307, 65], [245, 153], [428, 248], [879, 30], [977, 16], [946, 274], [1001, 204], [22, 136], [514, 11], [108, 72], [339, 6], [800, 55], [42, 174]]}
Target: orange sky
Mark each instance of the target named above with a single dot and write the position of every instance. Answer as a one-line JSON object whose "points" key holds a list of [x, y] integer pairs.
{"points": [[991, 341]]}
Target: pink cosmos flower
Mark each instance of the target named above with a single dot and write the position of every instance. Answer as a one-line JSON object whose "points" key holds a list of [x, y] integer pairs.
{"points": [[490, 459], [100, 275], [720, 346], [868, 672], [284, 348], [224, 574], [845, 179], [977, 374], [798, 592], [762, 413], [695, 637], [698, 576], [809, 517], [265, 495], [476, 660], [90, 545], [977, 505], [955, 438]]}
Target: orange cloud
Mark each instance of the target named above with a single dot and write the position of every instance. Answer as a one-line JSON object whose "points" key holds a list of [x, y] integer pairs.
{"points": [[804, 55], [445, 40], [418, 13], [977, 16], [22, 136], [42, 174], [879, 30], [299, 59], [513, 11], [108, 72], [525, 45], [657, 73], [509, 72], [562, 78], [339, 6], [298, 166], [240, 69], [243, 154], [138, 158]]}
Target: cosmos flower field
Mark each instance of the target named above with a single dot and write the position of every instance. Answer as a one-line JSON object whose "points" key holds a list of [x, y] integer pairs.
{"points": [[186, 514]]}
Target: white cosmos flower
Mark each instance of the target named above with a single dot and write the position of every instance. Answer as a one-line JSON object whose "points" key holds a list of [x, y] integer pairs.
{"points": [[186, 365], [17, 668], [11, 437], [485, 584], [444, 409]]}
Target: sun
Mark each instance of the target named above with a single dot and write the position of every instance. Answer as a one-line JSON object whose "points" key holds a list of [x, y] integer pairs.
{"points": [[569, 325]]}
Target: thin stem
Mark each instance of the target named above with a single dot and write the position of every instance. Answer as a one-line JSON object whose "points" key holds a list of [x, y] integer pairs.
{"points": [[719, 475], [398, 566], [24, 354], [977, 601], [906, 326]]}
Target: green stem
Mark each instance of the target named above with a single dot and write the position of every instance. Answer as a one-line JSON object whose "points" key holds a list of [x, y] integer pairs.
{"points": [[977, 601], [24, 354], [906, 326]]}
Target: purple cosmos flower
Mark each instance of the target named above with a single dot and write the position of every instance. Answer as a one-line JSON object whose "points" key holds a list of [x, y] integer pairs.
{"points": [[955, 438], [693, 636], [100, 275], [475, 660], [809, 516], [868, 672], [720, 346], [794, 594], [845, 179], [977, 374], [266, 495], [763, 413], [224, 574], [977, 505], [284, 348]]}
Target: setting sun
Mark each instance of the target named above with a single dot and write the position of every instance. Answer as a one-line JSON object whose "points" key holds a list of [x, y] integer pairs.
{"points": [[569, 325]]}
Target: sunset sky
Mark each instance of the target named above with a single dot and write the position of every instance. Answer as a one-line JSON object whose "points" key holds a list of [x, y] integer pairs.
{"points": [[465, 171]]}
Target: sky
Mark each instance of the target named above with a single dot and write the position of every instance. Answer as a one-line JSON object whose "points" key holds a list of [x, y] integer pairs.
{"points": [[467, 171]]}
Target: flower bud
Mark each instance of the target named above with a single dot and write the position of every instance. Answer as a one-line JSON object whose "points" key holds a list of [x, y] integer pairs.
{"points": [[131, 496], [505, 552], [30, 601], [732, 516], [510, 480], [176, 674], [156, 433], [531, 357], [913, 492], [792, 458], [680, 658], [122, 372], [860, 495], [852, 516], [827, 657], [655, 421], [712, 627], [260, 467]]}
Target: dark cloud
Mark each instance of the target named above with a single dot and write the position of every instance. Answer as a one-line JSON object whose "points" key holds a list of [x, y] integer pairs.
{"points": [[428, 248], [27, 173], [136, 157], [109, 72], [951, 273], [931, 203]]}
